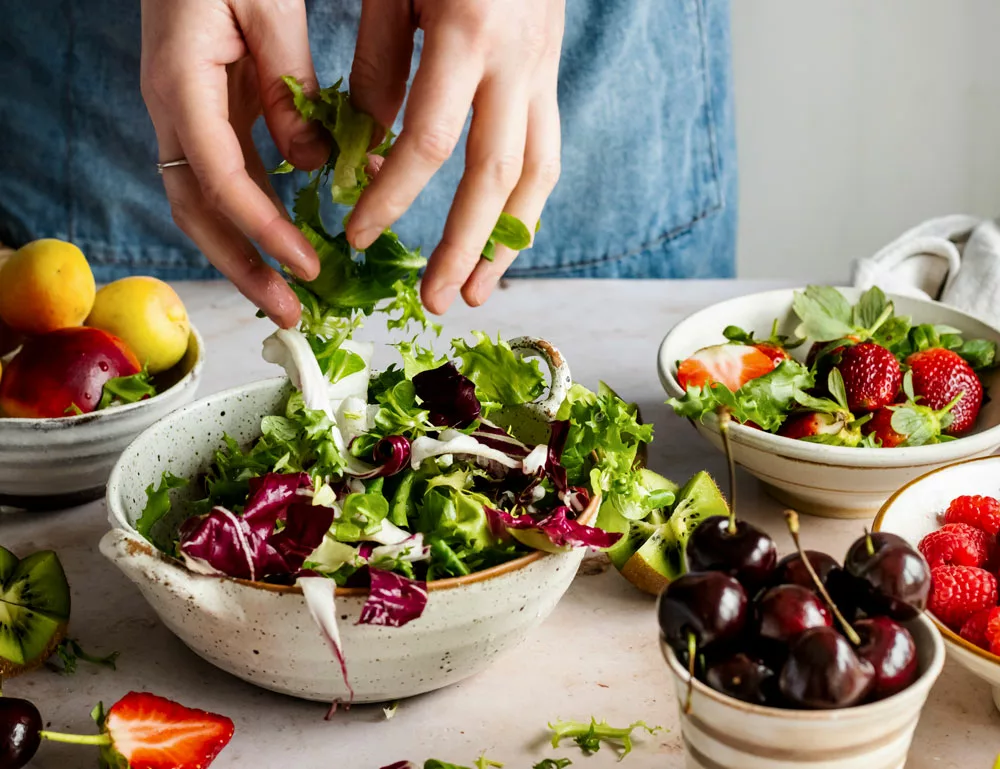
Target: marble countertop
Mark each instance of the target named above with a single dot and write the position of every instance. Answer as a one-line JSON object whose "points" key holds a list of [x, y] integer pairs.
{"points": [[596, 655]]}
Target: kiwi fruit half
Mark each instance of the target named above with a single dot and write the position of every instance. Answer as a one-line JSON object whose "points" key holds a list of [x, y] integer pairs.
{"points": [[34, 610], [651, 552]]}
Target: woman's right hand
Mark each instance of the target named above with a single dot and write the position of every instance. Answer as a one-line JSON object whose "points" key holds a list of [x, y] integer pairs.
{"points": [[209, 67]]}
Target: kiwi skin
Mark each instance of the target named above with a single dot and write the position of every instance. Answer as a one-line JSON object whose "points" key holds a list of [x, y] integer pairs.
{"points": [[10, 669]]}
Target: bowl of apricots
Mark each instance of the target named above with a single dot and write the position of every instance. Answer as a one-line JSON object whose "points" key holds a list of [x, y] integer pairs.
{"points": [[83, 370]]}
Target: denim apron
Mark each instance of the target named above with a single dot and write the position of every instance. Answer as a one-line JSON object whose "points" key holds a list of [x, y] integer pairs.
{"points": [[648, 187]]}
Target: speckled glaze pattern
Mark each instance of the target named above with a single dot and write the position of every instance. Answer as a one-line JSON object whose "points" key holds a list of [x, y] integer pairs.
{"points": [[830, 481], [265, 634], [48, 463], [913, 512], [720, 732]]}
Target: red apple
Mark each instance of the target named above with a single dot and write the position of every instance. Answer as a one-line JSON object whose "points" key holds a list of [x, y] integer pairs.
{"points": [[56, 371]]}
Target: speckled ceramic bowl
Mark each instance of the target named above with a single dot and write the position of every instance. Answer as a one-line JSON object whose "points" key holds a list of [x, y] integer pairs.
{"points": [[48, 464], [721, 732], [264, 634], [831, 481], [914, 510]]}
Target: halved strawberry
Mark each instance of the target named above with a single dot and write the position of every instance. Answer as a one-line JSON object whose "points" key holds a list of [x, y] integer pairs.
{"points": [[152, 732], [730, 364], [774, 347]]}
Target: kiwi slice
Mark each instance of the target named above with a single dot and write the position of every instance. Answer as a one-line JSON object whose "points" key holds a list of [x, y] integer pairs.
{"points": [[634, 532], [34, 610], [659, 556]]}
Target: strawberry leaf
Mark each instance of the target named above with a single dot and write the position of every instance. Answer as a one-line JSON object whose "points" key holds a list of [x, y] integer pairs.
{"points": [[824, 313], [869, 309], [919, 424], [835, 383]]}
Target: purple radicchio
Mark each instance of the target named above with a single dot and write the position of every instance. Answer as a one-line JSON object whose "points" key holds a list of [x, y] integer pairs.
{"points": [[557, 527], [393, 600], [545, 462], [401, 765], [391, 454], [305, 527], [448, 396], [499, 439]]}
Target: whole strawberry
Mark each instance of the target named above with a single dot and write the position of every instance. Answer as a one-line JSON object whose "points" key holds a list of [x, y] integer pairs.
{"points": [[872, 376], [939, 376], [958, 592]]}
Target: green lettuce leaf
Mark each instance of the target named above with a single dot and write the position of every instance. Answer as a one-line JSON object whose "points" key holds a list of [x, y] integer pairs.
{"points": [[157, 506], [417, 358], [590, 736], [126, 389], [509, 231], [501, 377]]}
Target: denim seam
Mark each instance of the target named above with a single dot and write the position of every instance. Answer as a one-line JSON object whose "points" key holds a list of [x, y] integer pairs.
{"points": [[710, 106]]}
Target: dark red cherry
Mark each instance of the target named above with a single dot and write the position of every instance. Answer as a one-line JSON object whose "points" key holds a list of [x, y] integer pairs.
{"points": [[894, 579], [744, 678], [786, 611], [20, 732], [889, 647], [791, 570], [823, 672], [744, 552], [710, 605]]}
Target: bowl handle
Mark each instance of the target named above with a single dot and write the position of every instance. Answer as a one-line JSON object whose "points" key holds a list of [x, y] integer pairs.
{"points": [[145, 566], [560, 378]]}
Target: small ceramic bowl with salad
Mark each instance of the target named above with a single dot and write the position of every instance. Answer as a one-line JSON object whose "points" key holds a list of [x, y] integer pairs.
{"points": [[834, 398], [346, 535], [82, 372]]}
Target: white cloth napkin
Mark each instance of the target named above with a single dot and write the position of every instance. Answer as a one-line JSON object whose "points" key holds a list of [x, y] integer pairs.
{"points": [[952, 259]]}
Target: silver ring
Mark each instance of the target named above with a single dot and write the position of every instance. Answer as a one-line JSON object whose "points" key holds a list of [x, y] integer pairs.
{"points": [[170, 164]]}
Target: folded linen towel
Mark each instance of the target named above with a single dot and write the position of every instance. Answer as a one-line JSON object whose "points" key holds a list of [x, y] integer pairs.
{"points": [[953, 259]]}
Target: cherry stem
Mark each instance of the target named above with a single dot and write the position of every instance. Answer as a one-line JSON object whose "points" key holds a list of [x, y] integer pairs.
{"points": [[724, 419], [869, 545], [793, 526], [692, 651], [77, 739]]}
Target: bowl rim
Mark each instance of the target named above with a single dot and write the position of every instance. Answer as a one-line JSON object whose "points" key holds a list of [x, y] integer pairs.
{"points": [[833, 456], [77, 419], [926, 679], [140, 546], [949, 635]]}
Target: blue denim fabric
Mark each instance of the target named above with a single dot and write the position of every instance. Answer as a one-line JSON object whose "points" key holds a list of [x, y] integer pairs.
{"points": [[649, 160]]}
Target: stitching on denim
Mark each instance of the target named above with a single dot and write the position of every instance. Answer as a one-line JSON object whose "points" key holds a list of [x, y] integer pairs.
{"points": [[672, 234], [710, 104]]}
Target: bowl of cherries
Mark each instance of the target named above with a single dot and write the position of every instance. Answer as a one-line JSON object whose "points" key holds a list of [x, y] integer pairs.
{"points": [[803, 661]]}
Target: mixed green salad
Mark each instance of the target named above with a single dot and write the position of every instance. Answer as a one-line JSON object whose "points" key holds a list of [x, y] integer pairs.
{"points": [[389, 481]]}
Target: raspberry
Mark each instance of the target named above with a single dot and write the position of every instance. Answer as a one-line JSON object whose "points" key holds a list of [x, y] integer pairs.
{"points": [[958, 592], [993, 631], [981, 512], [956, 544], [975, 627]]}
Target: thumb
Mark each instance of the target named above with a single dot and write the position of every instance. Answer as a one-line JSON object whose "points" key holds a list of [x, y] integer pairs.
{"points": [[382, 59], [278, 39]]}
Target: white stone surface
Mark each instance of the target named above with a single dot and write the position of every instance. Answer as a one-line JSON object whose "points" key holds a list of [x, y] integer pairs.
{"points": [[596, 655]]}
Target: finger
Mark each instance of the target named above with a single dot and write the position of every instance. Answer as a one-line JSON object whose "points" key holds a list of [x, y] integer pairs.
{"points": [[442, 92], [223, 244], [213, 151], [382, 59], [494, 159], [539, 177], [278, 40]]}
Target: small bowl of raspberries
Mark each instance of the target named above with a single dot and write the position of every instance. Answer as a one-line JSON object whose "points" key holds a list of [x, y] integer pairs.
{"points": [[952, 516]]}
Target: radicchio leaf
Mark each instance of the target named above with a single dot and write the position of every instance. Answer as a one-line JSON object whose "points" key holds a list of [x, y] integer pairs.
{"points": [[320, 593], [391, 454], [222, 542], [270, 496], [558, 528], [449, 396], [499, 439], [305, 526], [401, 765], [393, 600]]}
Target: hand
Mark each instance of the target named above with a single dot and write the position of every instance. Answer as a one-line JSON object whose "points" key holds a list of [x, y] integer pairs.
{"points": [[209, 67], [501, 57]]}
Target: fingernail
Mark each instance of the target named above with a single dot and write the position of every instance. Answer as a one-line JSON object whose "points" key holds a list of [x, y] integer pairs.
{"points": [[365, 238]]}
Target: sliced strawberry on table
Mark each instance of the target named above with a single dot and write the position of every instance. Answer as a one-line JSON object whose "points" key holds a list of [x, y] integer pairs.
{"points": [[979, 511], [152, 732], [940, 376], [732, 365]]}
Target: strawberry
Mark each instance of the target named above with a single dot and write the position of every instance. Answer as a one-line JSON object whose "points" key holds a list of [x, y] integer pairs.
{"points": [[152, 732], [940, 376], [974, 629], [872, 376], [958, 592], [981, 512], [956, 544], [828, 420], [732, 365], [811, 424], [774, 347], [907, 423]]}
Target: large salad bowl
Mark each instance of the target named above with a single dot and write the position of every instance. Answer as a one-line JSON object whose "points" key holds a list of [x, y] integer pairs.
{"points": [[264, 633]]}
